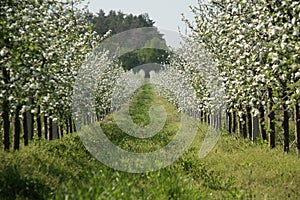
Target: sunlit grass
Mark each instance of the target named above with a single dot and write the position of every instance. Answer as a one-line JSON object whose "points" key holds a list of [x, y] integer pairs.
{"points": [[234, 169]]}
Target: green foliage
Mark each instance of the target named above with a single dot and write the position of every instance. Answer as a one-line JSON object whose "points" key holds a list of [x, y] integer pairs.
{"points": [[118, 21], [144, 56]]}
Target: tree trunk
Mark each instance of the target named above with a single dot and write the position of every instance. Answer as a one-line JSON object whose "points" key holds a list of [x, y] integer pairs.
{"points": [[25, 128], [297, 126], [229, 122], [71, 124], [219, 120], [233, 122], [74, 126], [262, 129], [17, 128], [39, 122], [285, 125], [55, 130], [46, 127], [255, 128], [30, 120], [271, 118], [5, 112], [201, 116], [240, 132], [249, 122], [61, 129], [67, 127], [208, 118], [50, 128], [244, 125]]}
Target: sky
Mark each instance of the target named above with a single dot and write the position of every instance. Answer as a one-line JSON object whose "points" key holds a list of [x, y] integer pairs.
{"points": [[165, 13]]}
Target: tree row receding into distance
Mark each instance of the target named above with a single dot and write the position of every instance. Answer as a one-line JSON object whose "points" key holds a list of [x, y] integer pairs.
{"points": [[242, 54], [42, 46], [255, 46]]}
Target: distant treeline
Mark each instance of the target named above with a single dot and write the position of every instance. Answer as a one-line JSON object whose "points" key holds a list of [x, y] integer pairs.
{"points": [[117, 22]]}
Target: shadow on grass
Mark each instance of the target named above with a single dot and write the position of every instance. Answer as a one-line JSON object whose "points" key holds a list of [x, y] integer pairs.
{"points": [[13, 185]]}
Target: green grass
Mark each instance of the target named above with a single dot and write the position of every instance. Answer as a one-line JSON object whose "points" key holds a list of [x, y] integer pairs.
{"points": [[235, 169]]}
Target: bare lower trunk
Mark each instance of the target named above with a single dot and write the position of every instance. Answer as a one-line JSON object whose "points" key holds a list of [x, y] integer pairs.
{"points": [[255, 128], [249, 123], [229, 122], [74, 125], [244, 125], [67, 126], [5, 113], [50, 128], [285, 125], [46, 127], [70, 124], [17, 128], [240, 127], [25, 128], [271, 119], [61, 130], [39, 123], [30, 120], [297, 126], [262, 129], [201, 116], [234, 122], [208, 118]]}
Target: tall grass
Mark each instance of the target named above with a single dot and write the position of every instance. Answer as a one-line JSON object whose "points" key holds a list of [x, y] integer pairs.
{"points": [[64, 169]]}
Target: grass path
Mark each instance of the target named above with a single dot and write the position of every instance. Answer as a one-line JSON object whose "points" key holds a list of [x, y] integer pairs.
{"points": [[63, 169]]}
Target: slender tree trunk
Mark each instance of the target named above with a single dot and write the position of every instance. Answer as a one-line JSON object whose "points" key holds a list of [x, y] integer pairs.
{"points": [[220, 120], [285, 125], [85, 119], [5, 112], [17, 128], [255, 128], [61, 130], [244, 125], [229, 122], [46, 127], [211, 124], [39, 122], [262, 129], [208, 118], [201, 115], [67, 126], [6, 124], [71, 124], [233, 122], [25, 128], [240, 126], [297, 126], [50, 128], [271, 119], [74, 125], [249, 122], [55, 133], [30, 120]]}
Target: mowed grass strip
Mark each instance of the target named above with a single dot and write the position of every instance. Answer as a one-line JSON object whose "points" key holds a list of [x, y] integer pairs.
{"points": [[64, 169]]}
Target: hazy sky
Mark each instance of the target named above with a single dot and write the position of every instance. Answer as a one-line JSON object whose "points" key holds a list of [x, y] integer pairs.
{"points": [[165, 13]]}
